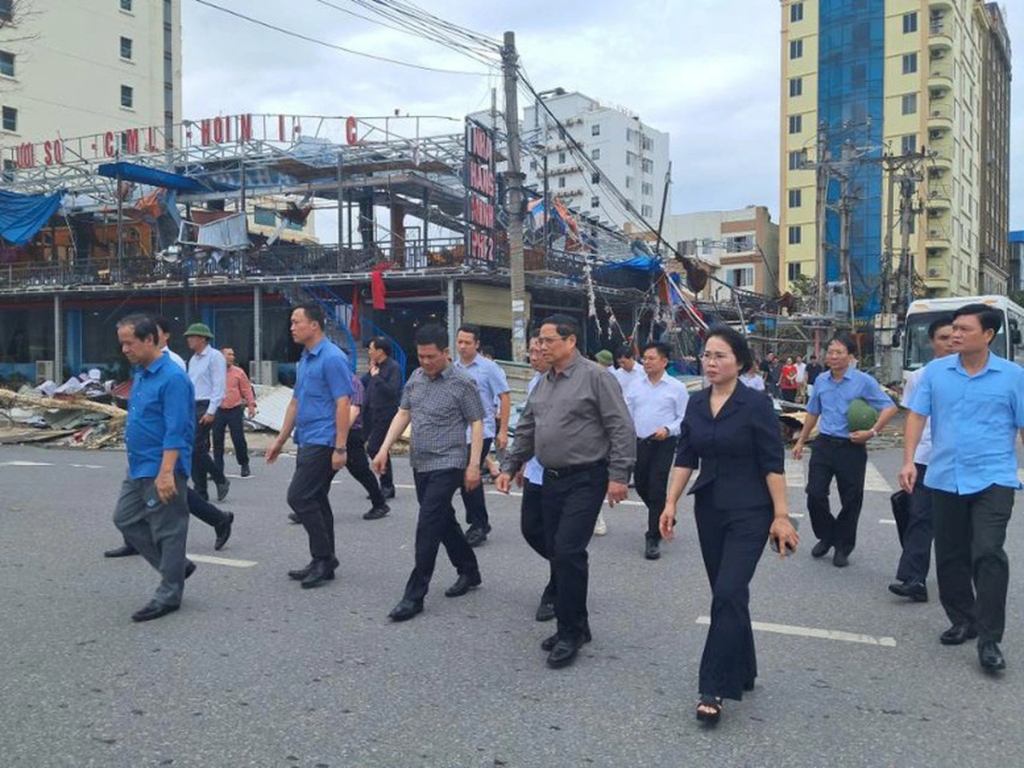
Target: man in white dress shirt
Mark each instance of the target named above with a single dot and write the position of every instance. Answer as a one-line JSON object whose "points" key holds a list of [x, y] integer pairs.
{"points": [[657, 403], [628, 371], [208, 370]]}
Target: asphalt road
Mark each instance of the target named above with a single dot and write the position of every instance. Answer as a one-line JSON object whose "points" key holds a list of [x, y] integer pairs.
{"points": [[255, 671]]}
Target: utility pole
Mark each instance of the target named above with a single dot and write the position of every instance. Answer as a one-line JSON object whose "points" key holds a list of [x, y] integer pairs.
{"points": [[514, 182], [821, 176]]}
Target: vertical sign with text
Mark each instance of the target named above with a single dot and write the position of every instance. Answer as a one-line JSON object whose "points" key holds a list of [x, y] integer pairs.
{"points": [[481, 192]]}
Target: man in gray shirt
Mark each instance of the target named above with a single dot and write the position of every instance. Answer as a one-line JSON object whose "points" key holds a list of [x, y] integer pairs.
{"points": [[577, 425], [441, 402]]}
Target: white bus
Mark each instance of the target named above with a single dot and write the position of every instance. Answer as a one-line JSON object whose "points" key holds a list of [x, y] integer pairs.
{"points": [[917, 352]]}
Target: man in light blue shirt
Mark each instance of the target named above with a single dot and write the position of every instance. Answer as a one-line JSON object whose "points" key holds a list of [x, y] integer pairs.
{"points": [[207, 369], [493, 386], [975, 401], [657, 403], [838, 452]]}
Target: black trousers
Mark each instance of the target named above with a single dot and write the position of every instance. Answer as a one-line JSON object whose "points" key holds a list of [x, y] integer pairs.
{"points": [[531, 523], [358, 465], [971, 566], [231, 419], [731, 543], [570, 505], [475, 501], [436, 526], [202, 463], [308, 497], [917, 539], [846, 462], [204, 510], [650, 476], [377, 430]]}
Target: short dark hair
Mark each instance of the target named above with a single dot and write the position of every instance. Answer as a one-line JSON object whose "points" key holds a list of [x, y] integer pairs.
{"points": [[143, 327], [162, 323], [379, 342], [314, 313], [565, 326], [846, 340], [737, 343], [989, 318], [470, 328], [432, 334], [487, 351], [625, 350], [660, 347], [939, 322], [813, 357]]}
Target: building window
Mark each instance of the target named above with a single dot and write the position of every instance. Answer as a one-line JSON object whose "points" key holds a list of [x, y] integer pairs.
{"points": [[909, 23], [796, 87], [647, 143], [6, 10], [10, 119], [796, 49], [561, 182], [796, 123], [796, 198], [629, 182], [595, 154], [910, 104], [6, 64], [909, 63], [740, 277], [908, 144], [595, 202], [647, 189], [561, 157], [629, 158], [126, 5], [595, 129], [533, 165], [595, 178], [794, 235], [793, 270], [646, 211], [796, 13], [797, 159], [264, 217], [9, 167], [126, 48], [648, 166]]}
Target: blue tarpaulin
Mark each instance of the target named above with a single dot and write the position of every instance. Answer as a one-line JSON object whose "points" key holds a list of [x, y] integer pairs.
{"points": [[143, 174], [650, 265], [21, 216]]}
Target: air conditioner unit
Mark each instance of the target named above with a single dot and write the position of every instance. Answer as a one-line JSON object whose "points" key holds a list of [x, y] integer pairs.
{"points": [[45, 371], [264, 373], [934, 213], [934, 233], [934, 272], [938, 54]]}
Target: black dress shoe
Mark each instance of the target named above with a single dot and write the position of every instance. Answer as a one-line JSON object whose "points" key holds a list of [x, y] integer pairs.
{"points": [[958, 634], [653, 549], [223, 531], [990, 656], [564, 653], [405, 610], [840, 559], [388, 491], [153, 610], [462, 585], [377, 512], [915, 590], [300, 573], [549, 642], [821, 548], [190, 568], [123, 551], [545, 611], [222, 489], [476, 536], [245, 471], [320, 572]]}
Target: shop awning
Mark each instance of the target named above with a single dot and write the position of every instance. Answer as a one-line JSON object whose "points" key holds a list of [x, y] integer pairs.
{"points": [[21, 216]]}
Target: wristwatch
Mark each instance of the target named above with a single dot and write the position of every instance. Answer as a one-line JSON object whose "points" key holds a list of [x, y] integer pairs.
{"points": [[874, 432], [341, 451]]}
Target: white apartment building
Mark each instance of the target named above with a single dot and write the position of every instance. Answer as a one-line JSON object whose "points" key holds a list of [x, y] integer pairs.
{"points": [[73, 68], [631, 156]]}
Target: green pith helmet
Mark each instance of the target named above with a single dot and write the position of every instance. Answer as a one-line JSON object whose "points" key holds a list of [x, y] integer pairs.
{"points": [[199, 329]]}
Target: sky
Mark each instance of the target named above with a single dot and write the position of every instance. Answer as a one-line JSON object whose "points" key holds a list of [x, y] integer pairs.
{"points": [[705, 71]]}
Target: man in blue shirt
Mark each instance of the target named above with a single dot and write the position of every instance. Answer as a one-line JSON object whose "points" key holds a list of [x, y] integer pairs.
{"points": [[319, 414], [151, 512], [975, 401], [838, 452]]}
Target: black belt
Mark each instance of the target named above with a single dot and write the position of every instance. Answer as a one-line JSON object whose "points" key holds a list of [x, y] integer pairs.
{"points": [[833, 439], [652, 441], [560, 472]]}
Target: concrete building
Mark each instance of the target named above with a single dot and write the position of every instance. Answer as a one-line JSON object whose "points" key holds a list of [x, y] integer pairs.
{"points": [[867, 78], [742, 244], [78, 67], [630, 155]]}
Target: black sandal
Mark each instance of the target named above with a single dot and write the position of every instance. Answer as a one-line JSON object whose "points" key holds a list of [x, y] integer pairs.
{"points": [[709, 709]]}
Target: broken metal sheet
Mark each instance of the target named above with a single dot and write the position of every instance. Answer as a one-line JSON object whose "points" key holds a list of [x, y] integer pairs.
{"points": [[271, 405]]}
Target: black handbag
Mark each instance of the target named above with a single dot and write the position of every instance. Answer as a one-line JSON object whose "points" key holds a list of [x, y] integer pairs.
{"points": [[901, 512]]}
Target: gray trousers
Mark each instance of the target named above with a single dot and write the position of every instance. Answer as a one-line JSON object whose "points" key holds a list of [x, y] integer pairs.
{"points": [[158, 533]]}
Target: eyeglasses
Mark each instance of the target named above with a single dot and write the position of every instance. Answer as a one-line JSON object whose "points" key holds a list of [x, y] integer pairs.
{"points": [[547, 341], [717, 357]]}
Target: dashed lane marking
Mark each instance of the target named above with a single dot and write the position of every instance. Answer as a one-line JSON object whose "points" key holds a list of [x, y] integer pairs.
{"points": [[24, 464], [873, 479], [222, 561], [819, 634], [887, 522], [88, 466]]}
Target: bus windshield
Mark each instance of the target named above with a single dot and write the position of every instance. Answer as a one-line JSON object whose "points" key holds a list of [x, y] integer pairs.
{"points": [[917, 349]]}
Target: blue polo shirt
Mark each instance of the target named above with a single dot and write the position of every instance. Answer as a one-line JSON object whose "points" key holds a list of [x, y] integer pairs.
{"points": [[974, 423], [491, 381], [831, 399], [161, 417], [322, 377]]}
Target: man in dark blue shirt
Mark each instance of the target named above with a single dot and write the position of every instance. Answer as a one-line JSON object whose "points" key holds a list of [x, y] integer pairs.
{"points": [[152, 512], [319, 414]]}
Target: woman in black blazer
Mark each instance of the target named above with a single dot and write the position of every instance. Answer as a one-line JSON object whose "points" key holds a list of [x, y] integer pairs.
{"points": [[730, 432]]}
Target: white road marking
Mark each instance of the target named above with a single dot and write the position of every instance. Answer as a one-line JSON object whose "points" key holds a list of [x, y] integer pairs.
{"points": [[874, 480], [222, 561], [88, 466], [821, 634], [798, 515], [887, 522], [25, 464], [794, 473]]}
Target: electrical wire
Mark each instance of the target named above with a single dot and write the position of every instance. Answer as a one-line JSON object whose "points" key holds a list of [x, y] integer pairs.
{"points": [[333, 46]]}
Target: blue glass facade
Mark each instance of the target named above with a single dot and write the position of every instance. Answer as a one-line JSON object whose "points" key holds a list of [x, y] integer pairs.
{"points": [[851, 103]]}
